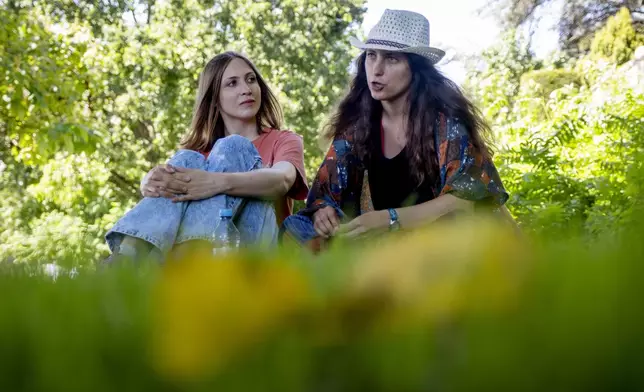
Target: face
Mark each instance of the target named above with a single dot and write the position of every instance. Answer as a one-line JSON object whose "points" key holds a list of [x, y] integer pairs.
{"points": [[240, 93], [388, 74]]}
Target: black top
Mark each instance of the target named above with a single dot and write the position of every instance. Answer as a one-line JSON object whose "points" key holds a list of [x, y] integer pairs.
{"points": [[390, 180]]}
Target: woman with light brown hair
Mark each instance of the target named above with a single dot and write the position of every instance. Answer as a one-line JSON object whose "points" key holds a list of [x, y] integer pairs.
{"points": [[235, 157]]}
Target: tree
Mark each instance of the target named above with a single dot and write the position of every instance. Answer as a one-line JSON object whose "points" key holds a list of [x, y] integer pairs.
{"points": [[494, 78], [618, 40], [577, 23]]}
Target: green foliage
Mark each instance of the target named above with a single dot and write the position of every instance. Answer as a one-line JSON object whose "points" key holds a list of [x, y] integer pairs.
{"points": [[617, 40], [43, 97], [569, 139], [572, 165], [54, 238], [545, 81]]}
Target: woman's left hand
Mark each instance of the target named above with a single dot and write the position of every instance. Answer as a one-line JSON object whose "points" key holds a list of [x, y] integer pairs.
{"points": [[202, 185], [368, 223]]}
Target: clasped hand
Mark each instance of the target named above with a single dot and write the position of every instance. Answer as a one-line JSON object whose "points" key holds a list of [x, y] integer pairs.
{"points": [[181, 184], [327, 223]]}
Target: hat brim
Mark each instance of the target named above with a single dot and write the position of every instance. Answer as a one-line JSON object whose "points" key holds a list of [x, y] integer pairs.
{"points": [[433, 54]]}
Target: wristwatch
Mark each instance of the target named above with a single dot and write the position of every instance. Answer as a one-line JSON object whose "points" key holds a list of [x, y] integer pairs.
{"points": [[394, 224]]}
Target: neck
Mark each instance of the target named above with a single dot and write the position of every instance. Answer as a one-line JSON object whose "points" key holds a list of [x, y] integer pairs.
{"points": [[245, 128], [394, 116], [396, 110]]}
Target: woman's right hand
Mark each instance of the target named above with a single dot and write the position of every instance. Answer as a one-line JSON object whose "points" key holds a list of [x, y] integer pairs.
{"points": [[164, 181], [325, 221]]}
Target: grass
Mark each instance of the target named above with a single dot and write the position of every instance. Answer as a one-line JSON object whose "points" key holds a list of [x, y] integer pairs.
{"points": [[458, 307]]}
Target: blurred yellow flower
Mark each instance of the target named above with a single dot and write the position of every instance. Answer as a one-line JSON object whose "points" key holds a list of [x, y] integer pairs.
{"points": [[206, 311], [436, 272]]}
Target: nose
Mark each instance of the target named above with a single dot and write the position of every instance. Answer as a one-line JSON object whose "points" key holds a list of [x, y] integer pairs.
{"points": [[378, 67], [245, 89]]}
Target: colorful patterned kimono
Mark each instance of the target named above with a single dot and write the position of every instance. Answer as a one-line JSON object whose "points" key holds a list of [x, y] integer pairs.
{"points": [[342, 181]]}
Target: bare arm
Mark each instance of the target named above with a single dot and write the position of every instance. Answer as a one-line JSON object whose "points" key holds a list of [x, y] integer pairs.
{"points": [[430, 211], [409, 217], [271, 182], [434, 209]]}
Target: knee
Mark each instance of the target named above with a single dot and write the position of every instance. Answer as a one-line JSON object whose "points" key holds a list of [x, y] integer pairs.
{"points": [[299, 227], [234, 144], [188, 159]]}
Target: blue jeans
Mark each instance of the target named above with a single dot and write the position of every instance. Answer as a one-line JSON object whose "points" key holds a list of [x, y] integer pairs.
{"points": [[163, 223]]}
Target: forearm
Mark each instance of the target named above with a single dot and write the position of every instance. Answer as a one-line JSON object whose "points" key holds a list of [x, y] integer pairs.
{"points": [[430, 211], [262, 183]]}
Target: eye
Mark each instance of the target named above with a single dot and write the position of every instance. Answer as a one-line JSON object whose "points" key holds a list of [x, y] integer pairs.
{"points": [[392, 59], [371, 54], [232, 83], [252, 79]]}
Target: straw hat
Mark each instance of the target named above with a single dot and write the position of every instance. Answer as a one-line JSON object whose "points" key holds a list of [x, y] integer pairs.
{"points": [[401, 31]]}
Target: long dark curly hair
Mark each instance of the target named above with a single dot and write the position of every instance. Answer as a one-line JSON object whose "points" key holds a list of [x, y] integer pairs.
{"points": [[431, 93]]}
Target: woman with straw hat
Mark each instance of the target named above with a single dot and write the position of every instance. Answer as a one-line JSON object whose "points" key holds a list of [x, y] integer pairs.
{"points": [[408, 148]]}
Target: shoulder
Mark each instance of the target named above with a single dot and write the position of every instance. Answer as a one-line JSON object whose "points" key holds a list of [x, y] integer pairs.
{"points": [[282, 138], [282, 135], [284, 142], [450, 128], [343, 141]]}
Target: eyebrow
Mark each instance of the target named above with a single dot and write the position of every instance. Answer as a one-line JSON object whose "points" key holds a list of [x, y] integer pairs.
{"points": [[251, 73], [385, 52]]}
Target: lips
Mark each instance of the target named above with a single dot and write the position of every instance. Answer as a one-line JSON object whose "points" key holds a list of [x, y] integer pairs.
{"points": [[377, 86], [248, 102]]}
